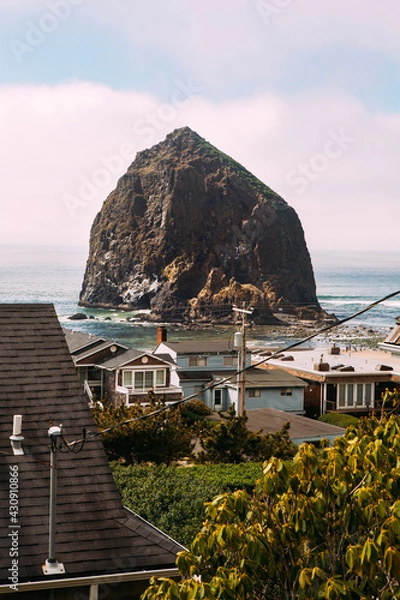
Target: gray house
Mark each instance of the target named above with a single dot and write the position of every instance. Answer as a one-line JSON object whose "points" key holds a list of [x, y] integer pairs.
{"points": [[95, 548], [208, 369]]}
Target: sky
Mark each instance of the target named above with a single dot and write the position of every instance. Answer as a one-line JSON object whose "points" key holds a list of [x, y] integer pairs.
{"points": [[304, 93]]}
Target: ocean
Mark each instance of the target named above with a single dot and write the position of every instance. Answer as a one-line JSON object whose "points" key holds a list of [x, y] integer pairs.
{"points": [[346, 283]]}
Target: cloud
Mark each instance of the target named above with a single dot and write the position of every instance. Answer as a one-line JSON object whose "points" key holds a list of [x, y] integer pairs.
{"points": [[256, 43], [63, 149]]}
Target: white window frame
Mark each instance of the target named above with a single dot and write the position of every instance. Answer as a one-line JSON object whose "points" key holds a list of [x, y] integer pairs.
{"points": [[163, 382], [355, 395], [151, 379]]}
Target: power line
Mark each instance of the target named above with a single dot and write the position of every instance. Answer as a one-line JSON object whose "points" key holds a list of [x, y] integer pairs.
{"points": [[239, 371]]}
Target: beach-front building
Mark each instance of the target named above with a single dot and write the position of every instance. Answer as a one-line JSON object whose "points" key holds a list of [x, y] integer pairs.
{"points": [[338, 379], [113, 372], [207, 370]]}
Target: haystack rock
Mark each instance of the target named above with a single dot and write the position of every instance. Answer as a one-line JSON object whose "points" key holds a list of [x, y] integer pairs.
{"points": [[188, 232]]}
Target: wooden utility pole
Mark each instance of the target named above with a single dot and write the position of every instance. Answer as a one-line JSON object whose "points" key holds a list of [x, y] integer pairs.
{"points": [[242, 363]]}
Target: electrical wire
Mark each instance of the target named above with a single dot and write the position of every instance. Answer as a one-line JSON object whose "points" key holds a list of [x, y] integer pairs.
{"points": [[240, 371]]}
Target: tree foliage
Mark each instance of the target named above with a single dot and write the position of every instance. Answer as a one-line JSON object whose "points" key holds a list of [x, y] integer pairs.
{"points": [[163, 438], [173, 498], [325, 525], [231, 442]]}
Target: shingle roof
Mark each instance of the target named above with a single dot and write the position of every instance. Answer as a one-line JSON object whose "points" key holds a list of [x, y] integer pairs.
{"points": [[195, 375], [130, 355], [78, 340], [271, 420], [95, 534], [255, 377], [201, 347]]}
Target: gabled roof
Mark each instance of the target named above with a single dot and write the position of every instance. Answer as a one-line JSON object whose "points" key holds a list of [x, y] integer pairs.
{"points": [[78, 341], [95, 534], [271, 420], [127, 357], [201, 347]]}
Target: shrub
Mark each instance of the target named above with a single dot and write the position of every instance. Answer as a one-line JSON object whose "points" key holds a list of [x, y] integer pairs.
{"points": [[198, 407], [174, 498], [339, 419], [161, 438]]}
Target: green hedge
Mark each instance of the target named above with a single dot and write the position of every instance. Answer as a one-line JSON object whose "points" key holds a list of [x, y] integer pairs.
{"points": [[173, 498], [339, 419]]}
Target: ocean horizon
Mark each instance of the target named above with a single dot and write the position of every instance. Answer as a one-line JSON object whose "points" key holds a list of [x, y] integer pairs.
{"points": [[347, 282]]}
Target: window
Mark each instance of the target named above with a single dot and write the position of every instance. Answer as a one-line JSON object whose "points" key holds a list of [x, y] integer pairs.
{"points": [[286, 391], [230, 361], [144, 380], [342, 395], [139, 380], [127, 378], [350, 395], [160, 377], [254, 393], [359, 394], [197, 361], [368, 394]]}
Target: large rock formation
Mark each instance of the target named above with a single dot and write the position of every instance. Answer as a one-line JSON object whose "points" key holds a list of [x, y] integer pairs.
{"points": [[188, 232]]}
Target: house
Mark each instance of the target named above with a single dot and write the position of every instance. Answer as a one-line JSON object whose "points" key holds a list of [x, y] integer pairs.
{"points": [[208, 369], [338, 379], [273, 388], [89, 546], [130, 376], [87, 352], [107, 369]]}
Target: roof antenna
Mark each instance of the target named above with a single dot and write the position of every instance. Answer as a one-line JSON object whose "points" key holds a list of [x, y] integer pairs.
{"points": [[51, 565]]}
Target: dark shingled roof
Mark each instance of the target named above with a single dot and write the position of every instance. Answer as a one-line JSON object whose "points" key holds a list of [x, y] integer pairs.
{"points": [[201, 347], [78, 340], [95, 534]]}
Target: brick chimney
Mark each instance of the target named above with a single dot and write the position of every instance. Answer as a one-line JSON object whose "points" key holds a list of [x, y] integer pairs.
{"points": [[162, 334]]}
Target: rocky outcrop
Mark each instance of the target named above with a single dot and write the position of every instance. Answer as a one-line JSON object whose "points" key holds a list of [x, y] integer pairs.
{"points": [[188, 232]]}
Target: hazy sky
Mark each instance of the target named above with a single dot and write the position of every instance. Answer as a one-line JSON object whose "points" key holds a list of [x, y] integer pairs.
{"points": [[304, 93]]}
